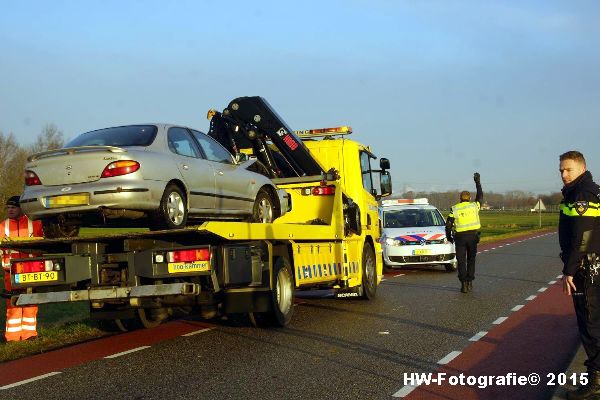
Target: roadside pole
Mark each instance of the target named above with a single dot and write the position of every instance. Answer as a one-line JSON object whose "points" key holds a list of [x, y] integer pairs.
{"points": [[540, 210]]}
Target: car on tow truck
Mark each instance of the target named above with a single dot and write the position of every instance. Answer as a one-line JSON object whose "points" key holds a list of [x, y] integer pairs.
{"points": [[413, 233], [157, 173]]}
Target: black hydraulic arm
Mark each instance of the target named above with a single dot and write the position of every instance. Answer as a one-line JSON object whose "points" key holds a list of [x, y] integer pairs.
{"points": [[252, 120]]}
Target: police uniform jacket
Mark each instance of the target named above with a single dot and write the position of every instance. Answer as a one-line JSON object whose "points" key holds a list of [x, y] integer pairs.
{"points": [[579, 212]]}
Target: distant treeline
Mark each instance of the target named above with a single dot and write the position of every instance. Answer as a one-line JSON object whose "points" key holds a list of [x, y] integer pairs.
{"points": [[512, 200], [13, 157]]}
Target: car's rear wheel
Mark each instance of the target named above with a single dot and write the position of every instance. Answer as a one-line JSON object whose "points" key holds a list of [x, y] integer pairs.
{"points": [[57, 227], [172, 212], [264, 210]]}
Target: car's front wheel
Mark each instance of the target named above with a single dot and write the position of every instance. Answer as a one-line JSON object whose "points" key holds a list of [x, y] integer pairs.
{"points": [[172, 212], [264, 210]]}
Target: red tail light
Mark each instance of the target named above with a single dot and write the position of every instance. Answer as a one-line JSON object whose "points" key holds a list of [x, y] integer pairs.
{"points": [[188, 255], [118, 168], [31, 179], [23, 267], [323, 190]]}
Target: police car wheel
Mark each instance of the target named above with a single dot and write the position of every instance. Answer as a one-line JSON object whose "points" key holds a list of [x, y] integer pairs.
{"points": [[450, 267]]}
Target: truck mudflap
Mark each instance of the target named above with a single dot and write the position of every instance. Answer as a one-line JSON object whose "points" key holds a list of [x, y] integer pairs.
{"points": [[110, 293]]}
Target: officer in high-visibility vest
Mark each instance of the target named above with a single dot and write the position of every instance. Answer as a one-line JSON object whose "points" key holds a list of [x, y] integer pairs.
{"points": [[578, 235], [21, 322], [462, 229]]}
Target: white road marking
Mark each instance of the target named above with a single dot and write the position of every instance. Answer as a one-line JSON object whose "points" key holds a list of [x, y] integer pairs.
{"points": [[384, 332], [517, 308], [533, 296], [500, 320], [501, 246], [478, 336], [559, 277], [12, 385], [383, 279], [451, 356], [542, 289], [551, 282], [405, 391], [395, 276], [198, 331], [127, 352]]}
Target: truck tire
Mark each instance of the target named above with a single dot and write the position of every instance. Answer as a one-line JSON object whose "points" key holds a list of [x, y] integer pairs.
{"points": [[57, 227], [144, 318], [172, 212], [282, 297], [354, 222], [368, 287]]}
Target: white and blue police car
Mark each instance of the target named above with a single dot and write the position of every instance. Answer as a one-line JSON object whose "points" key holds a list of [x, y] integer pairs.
{"points": [[413, 233]]}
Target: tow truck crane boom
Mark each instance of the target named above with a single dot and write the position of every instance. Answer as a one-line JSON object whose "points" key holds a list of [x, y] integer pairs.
{"points": [[251, 122]]}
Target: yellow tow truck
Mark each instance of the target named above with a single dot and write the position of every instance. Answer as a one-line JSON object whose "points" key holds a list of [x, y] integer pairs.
{"points": [[327, 240]]}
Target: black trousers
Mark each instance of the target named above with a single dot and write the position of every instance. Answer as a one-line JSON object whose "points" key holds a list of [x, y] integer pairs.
{"points": [[587, 309], [466, 250]]}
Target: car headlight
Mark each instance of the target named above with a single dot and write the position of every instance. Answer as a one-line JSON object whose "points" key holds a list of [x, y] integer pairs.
{"points": [[445, 240], [390, 241]]}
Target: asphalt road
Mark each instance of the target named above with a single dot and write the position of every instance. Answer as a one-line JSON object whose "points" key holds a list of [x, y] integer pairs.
{"points": [[333, 349]]}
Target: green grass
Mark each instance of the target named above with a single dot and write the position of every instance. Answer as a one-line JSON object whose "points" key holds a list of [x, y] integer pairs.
{"points": [[67, 323], [499, 224]]}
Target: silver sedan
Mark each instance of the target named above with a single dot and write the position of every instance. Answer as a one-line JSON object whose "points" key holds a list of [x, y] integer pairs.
{"points": [[158, 175]]}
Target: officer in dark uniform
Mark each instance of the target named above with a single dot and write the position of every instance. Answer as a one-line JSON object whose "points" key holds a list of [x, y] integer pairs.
{"points": [[463, 220], [577, 230]]}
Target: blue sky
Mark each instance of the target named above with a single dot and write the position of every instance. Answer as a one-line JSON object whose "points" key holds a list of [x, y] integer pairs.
{"points": [[441, 88]]}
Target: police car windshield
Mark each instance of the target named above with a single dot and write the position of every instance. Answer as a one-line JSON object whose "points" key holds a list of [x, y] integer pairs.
{"points": [[412, 218]]}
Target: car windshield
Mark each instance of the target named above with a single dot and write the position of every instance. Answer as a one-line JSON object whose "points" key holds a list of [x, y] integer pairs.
{"points": [[412, 217], [122, 136]]}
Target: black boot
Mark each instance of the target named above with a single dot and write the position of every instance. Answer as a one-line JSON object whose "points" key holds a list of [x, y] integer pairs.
{"points": [[464, 287], [470, 286], [589, 391]]}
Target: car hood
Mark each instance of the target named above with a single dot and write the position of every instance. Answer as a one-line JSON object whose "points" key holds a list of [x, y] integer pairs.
{"points": [[416, 234]]}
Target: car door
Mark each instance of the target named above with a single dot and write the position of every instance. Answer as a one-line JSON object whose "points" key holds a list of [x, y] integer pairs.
{"points": [[234, 185], [197, 172]]}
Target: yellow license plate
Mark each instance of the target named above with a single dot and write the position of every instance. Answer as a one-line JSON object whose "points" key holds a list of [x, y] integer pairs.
{"points": [[68, 200], [196, 266], [421, 252], [33, 277]]}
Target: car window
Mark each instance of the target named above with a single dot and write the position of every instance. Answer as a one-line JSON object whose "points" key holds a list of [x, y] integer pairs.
{"points": [[412, 217], [181, 142], [122, 136], [213, 150], [365, 166]]}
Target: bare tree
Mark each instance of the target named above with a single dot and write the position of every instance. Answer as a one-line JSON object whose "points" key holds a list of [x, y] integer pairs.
{"points": [[12, 165], [49, 139]]}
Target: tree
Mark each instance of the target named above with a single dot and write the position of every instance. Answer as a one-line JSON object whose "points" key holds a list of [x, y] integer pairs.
{"points": [[49, 139]]}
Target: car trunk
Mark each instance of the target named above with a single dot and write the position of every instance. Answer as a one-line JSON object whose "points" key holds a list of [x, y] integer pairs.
{"points": [[74, 165]]}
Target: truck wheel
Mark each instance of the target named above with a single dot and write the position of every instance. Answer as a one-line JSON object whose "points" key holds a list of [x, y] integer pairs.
{"points": [[368, 287], [144, 318], [172, 212], [264, 209], [282, 301], [354, 223], [58, 227]]}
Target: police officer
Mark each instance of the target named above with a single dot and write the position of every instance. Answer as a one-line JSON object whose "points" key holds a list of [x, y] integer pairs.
{"points": [[577, 233], [464, 221]]}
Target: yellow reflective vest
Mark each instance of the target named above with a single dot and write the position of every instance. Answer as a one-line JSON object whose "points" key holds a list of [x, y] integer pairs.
{"points": [[466, 216]]}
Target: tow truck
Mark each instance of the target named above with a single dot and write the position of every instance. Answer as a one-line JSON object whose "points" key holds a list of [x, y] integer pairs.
{"points": [[328, 240]]}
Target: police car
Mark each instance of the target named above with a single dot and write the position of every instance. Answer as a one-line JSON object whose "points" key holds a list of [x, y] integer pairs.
{"points": [[413, 232]]}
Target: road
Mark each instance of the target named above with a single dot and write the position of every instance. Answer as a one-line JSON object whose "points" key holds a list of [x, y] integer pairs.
{"points": [[515, 320]]}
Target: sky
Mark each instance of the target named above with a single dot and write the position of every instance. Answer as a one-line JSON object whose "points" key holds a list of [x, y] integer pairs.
{"points": [[440, 88]]}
